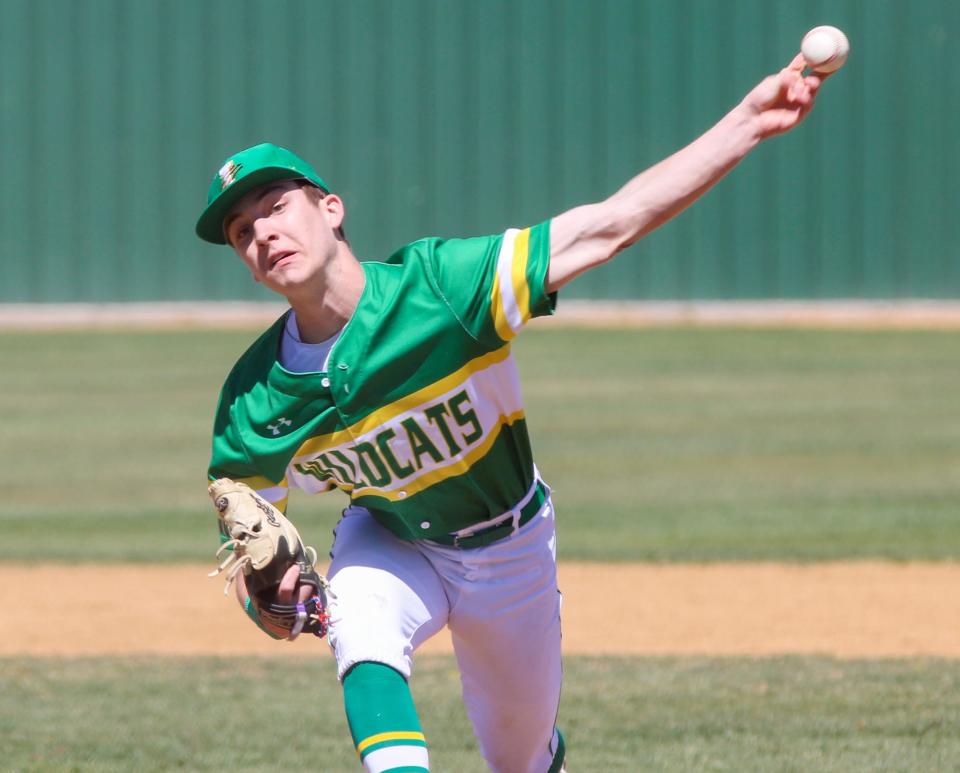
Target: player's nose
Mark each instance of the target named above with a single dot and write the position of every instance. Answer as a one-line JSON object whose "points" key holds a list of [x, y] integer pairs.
{"points": [[263, 231]]}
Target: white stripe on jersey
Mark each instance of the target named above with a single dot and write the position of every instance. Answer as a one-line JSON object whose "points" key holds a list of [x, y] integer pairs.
{"points": [[505, 273]]}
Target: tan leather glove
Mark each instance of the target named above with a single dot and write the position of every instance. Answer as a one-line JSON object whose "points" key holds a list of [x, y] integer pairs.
{"points": [[261, 545]]}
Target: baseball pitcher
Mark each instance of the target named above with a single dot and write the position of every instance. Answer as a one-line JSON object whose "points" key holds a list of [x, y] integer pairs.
{"points": [[394, 382]]}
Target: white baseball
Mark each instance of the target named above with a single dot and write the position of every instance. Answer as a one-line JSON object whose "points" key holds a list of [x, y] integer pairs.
{"points": [[825, 49]]}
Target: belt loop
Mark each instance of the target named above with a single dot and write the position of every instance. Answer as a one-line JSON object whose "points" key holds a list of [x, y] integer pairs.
{"points": [[515, 516]]}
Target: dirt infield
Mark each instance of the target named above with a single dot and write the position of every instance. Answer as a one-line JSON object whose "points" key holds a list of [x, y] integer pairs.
{"points": [[864, 609]]}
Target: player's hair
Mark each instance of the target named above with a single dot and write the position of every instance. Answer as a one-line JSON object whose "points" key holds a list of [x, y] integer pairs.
{"points": [[315, 195]]}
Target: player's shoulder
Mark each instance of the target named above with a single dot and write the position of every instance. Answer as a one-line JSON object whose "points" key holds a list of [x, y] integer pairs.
{"points": [[430, 257], [406, 269], [430, 249], [416, 252]]}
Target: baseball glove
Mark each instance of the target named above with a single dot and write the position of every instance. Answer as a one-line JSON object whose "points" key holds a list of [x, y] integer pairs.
{"points": [[261, 545]]}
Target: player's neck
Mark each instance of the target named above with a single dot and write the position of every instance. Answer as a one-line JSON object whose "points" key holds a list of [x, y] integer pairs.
{"points": [[323, 310]]}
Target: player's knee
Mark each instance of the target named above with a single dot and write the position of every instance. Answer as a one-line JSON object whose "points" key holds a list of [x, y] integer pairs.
{"points": [[351, 646], [357, 638], [374, 616]]}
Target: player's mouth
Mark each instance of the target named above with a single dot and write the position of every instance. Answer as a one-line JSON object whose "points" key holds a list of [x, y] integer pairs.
{"points": [[279, 258]]}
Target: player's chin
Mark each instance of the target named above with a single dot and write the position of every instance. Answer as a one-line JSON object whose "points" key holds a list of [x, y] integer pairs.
{"points": [[292, 269], [284, 280]]}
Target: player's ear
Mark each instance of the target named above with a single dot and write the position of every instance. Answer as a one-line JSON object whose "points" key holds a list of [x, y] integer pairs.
{"points": [[332, 206]]}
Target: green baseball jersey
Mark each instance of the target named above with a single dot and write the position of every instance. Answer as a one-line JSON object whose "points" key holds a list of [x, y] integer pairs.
{"points": [[419, 416]]}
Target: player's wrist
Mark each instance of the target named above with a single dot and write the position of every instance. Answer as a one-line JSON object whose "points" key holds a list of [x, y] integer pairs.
{"points": [[743, 127]]}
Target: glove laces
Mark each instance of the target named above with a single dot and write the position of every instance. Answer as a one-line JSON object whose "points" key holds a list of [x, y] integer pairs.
{"points": [[234, 563]]}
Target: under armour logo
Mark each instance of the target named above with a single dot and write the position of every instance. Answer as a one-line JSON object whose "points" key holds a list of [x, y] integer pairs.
{"points": [[281, 422]]}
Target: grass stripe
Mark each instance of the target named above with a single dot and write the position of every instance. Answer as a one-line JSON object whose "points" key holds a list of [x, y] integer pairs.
{"points": [[618, 714], [666, 444]]}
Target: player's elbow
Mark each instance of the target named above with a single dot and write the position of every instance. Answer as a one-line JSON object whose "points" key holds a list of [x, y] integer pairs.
{"points": [[601, 230], [587, 237], [615, 228]]}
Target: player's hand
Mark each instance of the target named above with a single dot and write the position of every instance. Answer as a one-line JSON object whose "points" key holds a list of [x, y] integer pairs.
{"points": [[275, 575], [290, 591], [780, 102]]}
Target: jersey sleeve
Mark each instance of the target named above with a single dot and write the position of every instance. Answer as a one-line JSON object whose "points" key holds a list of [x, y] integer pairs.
{"points": [[495, 284], [229, 458]]}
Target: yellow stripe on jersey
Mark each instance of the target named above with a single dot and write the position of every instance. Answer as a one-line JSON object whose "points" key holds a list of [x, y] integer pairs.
{"points": [[410, 735], [388, 412], [457, 467], [521, 289], [497, 310], [275, 493], [510, 295]]}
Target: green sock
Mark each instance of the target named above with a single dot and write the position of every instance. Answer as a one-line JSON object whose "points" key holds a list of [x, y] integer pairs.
{"points": [[383, 720]]}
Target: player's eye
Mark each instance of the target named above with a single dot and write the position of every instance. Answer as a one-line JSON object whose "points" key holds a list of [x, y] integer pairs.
{"points": [[278, 207], [240, 233]]}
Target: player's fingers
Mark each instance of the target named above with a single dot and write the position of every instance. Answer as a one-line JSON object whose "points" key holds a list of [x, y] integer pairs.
{"points": [[288, 585], [306, 591], [807, 106], [798, 92], [797, 63], [823, 75]]}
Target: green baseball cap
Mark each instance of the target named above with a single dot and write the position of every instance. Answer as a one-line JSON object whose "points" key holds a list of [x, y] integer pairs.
{"points": [[243, 172]]}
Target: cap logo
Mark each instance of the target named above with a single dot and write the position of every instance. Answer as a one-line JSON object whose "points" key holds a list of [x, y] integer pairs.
{"points": [[228, 173]]}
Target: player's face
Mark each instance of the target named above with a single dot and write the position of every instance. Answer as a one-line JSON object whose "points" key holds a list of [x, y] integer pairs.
{"points": [[285, 233]]}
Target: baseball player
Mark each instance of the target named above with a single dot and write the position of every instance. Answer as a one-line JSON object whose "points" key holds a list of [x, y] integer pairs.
{"points": [[394, 382]]}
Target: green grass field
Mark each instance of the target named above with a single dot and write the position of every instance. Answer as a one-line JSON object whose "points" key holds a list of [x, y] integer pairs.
{"points": [[657, 714], [668, 444], [672, 444]]}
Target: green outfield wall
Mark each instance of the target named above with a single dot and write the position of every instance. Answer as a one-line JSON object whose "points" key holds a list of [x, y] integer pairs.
{"points": [[442, 117]]}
